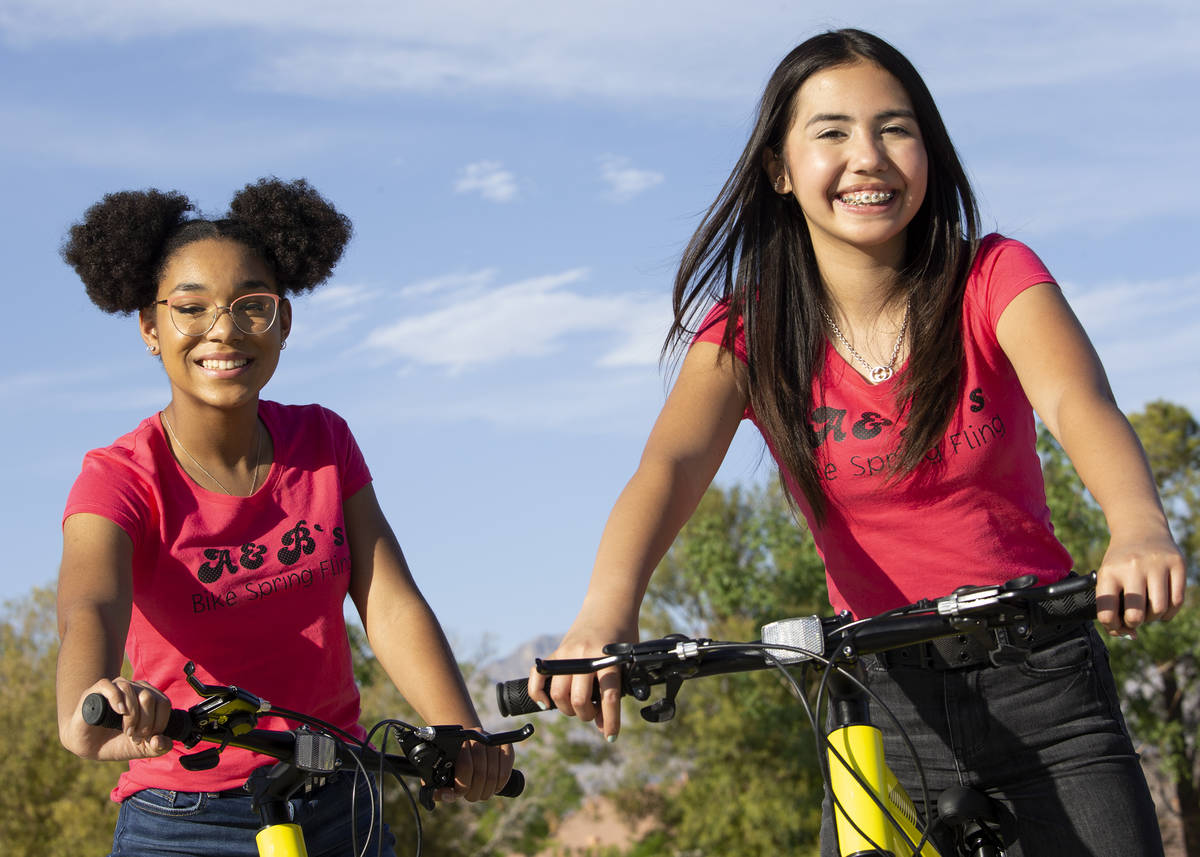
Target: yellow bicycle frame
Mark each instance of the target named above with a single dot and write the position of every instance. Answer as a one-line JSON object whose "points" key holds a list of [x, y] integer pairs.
{"points": [[883, 824], [281, 840]]}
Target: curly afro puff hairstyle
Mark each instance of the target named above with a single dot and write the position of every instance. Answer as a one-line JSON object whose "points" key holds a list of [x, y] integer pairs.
{"points": [[122, 244]]}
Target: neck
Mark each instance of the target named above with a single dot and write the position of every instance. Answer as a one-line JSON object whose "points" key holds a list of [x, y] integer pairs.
{"points": [[213, 435], [859, 283]]}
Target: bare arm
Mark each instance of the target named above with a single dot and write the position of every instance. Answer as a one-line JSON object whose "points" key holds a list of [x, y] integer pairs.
{"points": [[686, 446], [1066, 384], [95, 592], [407, 639]]}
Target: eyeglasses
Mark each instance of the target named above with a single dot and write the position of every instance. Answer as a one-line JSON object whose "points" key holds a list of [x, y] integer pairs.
{"points": [[194, 315]]}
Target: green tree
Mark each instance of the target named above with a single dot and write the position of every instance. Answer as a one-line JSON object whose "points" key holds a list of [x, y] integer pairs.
{"points": [[1158, 673], [488, 829], [51, 802], [736, 771]]}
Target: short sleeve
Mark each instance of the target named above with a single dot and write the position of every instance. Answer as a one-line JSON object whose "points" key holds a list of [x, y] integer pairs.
{"points": [[1003, 269], [354, 471], [712, 329], [111, 488]]}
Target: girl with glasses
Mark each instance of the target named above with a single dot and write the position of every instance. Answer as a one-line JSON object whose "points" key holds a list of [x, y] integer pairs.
{"points": [[838, 294], [227, 530]]}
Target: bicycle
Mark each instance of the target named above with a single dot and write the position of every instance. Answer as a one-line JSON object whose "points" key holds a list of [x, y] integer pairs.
{"points": [[227, 716], [873, 813]]}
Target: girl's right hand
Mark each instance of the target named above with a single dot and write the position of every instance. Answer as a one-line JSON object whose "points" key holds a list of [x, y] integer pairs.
{"points": [[572, 694], [144, 711]]}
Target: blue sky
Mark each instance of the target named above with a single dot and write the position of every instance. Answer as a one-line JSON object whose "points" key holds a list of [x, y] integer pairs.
{"points": [[522, 177]]}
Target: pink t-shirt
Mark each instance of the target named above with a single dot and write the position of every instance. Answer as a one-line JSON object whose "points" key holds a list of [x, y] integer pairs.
{"points": [[250, 588], [975, 512]]}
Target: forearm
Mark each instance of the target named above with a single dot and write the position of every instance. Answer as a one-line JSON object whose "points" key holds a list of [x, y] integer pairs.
{"points": [[1111, 463], [410, 644], [91, 649]]}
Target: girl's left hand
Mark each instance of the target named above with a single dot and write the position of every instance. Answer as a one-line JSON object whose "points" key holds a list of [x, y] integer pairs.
{"points": [[1140, 580], [479, 772]]}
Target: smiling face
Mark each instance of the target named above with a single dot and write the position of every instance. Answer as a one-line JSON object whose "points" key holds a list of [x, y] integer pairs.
{"points": [[223, 368], [854, 159]]}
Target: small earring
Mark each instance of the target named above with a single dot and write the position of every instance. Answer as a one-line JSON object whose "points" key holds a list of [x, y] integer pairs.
{"points": [[282, 344], [152, 349]]}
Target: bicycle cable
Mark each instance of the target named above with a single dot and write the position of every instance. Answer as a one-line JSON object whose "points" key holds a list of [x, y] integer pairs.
{"points": [[768, 651]]}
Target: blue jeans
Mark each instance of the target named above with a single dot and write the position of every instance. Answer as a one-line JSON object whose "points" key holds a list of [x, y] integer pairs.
{"points": [[158, 823], [1045, 737]]}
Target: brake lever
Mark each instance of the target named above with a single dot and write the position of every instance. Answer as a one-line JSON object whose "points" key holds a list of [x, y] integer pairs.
{"points": [[433, 750], [224, 706]]}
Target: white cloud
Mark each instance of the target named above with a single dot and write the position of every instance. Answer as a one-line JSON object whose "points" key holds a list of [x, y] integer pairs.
{"points": [[624, 180], [327, 313], [459, 284], [489, 179], [1146, 334], [556, 49], [525, 319]]}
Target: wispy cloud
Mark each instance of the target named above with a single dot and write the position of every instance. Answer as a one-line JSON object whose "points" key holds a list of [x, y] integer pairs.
{"points": [[584, 50], [624, 180], [529, 318], [132, 141], [1119, 315], [1146, 333], [329, 312], [489, 179]]}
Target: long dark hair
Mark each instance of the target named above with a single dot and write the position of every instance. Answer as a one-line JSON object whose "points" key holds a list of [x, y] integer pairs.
{"points": [[753, 251]]}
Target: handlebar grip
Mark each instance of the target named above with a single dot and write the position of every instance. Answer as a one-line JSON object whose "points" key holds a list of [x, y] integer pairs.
{"points": [[514, 786], [513, 700], [512, 697], [1079, 602], [97, 712]]}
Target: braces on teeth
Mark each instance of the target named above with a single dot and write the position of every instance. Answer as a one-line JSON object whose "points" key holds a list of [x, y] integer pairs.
{"points": [[873, 197]]}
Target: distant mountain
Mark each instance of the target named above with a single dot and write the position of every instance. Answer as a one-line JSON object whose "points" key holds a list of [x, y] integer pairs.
{"points": [[516, 664]]}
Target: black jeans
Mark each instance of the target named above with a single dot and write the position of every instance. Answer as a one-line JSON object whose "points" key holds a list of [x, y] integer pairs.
{"points": [[1045, 737]]}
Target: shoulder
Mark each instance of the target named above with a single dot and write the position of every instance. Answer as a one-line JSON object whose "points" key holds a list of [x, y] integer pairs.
{"points": [[998, 256], [715, 328], [312, 436], [1001, 270], [134, 452], [118, 481], [310, 417]]}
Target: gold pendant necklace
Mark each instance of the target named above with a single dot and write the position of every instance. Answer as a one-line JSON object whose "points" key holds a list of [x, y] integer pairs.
{"points": [[257, 456]]}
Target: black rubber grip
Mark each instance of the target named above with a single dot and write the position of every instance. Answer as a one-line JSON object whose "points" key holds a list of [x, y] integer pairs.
{"points": [[514, 786], [512, 698], [97, 712], [1073, 605]]}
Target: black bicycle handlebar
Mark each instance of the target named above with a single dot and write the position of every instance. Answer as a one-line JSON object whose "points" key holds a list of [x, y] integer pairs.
{"points": [[428, 757], [1018, 604]]}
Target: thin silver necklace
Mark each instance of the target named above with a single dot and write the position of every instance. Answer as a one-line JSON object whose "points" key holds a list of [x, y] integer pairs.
{"points": [[878, 374], [257, 456]]}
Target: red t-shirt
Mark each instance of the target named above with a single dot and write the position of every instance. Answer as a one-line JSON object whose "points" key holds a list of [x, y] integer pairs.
{"points": [[976, 511], [250, 588]]}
